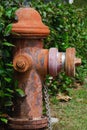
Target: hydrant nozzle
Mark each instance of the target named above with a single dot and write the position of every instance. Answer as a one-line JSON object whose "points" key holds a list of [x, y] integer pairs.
{"points": [[63, 61]]}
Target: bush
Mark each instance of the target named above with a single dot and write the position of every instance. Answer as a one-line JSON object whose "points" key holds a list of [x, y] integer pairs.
{"points": [[80, 3], [68, 25], [7, 89]]}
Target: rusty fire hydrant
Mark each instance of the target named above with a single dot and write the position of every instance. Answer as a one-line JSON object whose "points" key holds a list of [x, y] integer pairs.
{"points": [[31, 64]]}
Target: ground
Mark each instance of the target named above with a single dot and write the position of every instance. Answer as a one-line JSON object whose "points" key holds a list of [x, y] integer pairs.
{"points": [[72, 115]]}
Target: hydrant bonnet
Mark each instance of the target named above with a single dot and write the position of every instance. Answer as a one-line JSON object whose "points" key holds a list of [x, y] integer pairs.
{"points": [[29, 24]]}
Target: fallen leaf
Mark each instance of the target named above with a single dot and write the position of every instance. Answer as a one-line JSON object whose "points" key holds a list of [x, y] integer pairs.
{"points": [[63, 97]]}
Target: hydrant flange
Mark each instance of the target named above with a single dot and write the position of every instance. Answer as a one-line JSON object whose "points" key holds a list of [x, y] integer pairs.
{"points": [[26, 124], [71, 61]]}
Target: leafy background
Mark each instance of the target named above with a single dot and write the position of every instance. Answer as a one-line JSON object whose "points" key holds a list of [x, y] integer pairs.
{"points": [[68, 25]]}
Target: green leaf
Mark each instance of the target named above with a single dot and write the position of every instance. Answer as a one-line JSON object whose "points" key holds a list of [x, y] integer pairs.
{"points": [[4, 120], [9, 90], [8, 103], [2, 94], [20, 92], [8, 44], [2, 71], [9, 65], [1, 10], [8, 30], [1, 26], [8, 80], [6, 53], [8, 95], [9, 13]]}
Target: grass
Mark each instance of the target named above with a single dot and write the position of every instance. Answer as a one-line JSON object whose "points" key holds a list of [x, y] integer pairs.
{"points": [[72, 115]]}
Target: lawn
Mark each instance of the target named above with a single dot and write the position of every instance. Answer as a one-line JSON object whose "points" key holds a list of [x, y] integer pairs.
{"points": [[72, 115]]}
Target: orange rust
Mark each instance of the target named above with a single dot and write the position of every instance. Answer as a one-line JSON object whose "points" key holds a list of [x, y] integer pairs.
{"points": [[25, 124], [29, 24], [69, 63], [41, 61], [22, 62]]}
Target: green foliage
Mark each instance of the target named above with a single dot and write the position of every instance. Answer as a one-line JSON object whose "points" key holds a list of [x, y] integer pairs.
{"points": [[80, 3], [58, 84], [20, 92], [4, 120], [68, 25], [7, 88]]}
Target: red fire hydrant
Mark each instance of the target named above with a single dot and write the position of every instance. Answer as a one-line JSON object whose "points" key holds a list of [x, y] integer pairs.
{"points": [[31, 63]]}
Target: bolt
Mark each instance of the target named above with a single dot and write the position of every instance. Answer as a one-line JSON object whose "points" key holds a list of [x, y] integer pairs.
{"points": [[20, 64]]}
